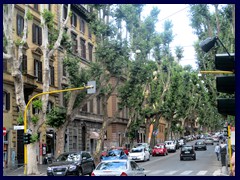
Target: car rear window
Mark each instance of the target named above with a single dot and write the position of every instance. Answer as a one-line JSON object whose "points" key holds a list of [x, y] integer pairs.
{"points": [[187, 148], [136, 150], [112, 166], [199, 143]]}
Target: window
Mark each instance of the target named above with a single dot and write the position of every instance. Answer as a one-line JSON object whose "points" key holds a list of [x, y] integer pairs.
{"points": [[98, 105], [23, 67], [49, 106], [89, 33], [91, 106], [35, 6], [83, 48], [5, 68], [82, 26], [49, 7], [51, 82], [85, 108], [74, 139], [90, 51], [38, 70], [65, 10], [36, 34], [35, 110], [64, 70], [74, 43], [20, 25], [6, 101], [74, 20]]}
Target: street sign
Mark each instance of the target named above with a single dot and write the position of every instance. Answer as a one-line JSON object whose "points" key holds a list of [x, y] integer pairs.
{"points": [[18, 127], [4, 131], [92, 90]]}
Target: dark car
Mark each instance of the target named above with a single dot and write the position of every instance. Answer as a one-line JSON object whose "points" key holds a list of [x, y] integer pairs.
{"points": [[187, 151], [115, 154], [200, 145], [72, 163]]}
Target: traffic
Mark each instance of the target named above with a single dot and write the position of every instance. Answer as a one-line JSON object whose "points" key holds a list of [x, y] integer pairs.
{"points": [[190, 155]]}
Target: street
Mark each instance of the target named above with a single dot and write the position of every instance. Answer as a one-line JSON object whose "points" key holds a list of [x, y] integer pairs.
{"points": [[206, 164]]}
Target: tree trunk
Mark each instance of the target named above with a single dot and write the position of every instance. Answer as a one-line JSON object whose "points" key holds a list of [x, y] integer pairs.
{"points": [[32, 168], [60, 141]]}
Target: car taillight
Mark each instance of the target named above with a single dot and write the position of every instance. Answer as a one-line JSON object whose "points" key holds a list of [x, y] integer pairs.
{"points": [[92, 174], [123, 174]]}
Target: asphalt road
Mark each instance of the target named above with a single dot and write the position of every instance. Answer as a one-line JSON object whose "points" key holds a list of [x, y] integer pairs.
{"points": [[206, 164]]}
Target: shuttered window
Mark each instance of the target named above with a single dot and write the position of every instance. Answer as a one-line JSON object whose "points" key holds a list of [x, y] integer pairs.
{"points": [[74, 20], [83, 48], [51, 76], [23, 67], [90, 51], [74, 43], [38, 70], [6, 101], [36, 34], [20, 25]]}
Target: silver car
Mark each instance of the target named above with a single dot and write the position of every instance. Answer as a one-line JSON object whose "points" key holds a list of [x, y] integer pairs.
{"points": [[119, 167], [209, 141]]}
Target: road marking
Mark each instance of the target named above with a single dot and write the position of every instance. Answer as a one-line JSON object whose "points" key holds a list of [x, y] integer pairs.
{"points": [[217, 172], [186, 172], [200, 173], [170, 172], [155, 172]]}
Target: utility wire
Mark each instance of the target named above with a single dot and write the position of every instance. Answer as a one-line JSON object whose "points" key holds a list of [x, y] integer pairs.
{"points": [[173, 14]]}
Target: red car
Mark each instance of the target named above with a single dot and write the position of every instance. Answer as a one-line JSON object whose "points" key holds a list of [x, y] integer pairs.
{"points": [[159, 149]]}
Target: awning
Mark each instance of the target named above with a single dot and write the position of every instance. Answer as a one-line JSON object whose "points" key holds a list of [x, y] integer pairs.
{"points": [[94, 135]]}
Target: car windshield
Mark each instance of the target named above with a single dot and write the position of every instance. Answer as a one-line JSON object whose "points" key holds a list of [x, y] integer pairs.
{"points": [[69, 157], [114, 153], [159, 146], [187, 148], [169, 142], [112, 166], [136, 150]]}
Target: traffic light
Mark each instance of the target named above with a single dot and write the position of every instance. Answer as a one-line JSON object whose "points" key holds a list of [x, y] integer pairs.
{"points": [[26, 138], [225, 130], [226, 83]]}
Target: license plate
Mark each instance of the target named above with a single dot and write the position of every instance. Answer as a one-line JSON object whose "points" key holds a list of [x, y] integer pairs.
{"points": [[59, 173], [187, 152], [134, 158]]}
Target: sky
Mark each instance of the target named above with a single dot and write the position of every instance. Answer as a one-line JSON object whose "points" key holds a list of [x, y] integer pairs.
{"points": [[183, 33]]}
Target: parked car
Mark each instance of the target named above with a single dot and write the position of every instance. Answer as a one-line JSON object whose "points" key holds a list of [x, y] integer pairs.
{"points": [[159, 149], [187, 151], [115, 154], [139, 154], [200, 144], [72, 163], [215, 139], [170, 145], [146, 145], [209, 140], [123, 167]]}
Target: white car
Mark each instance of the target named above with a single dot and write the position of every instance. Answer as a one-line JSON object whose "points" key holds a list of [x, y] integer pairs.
{"points": [[170, 145], [139, 154], [118, 167]]}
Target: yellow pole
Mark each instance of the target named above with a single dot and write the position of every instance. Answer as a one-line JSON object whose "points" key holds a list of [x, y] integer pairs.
{"points": [[216, 72], [229, 146], [25, 115]]}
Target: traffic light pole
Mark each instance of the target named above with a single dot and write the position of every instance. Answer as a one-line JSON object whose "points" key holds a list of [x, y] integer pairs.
{"points": [[25, 115], [229, 146]]}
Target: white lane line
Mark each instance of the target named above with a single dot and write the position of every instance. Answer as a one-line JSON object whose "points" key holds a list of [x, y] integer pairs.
{"points": [[201, 173], [170, 172], [186, 172], [158, 172]]}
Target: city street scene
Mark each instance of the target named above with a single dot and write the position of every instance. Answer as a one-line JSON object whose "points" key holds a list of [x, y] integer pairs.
{"points": [[119, 90]]}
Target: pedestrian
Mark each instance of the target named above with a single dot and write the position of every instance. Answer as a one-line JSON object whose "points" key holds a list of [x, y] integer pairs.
{"points": [[217, 151], [223, 152]]}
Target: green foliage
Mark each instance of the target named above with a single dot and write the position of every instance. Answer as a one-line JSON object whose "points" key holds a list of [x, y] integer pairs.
{"points": [[34, 119], [20, 118], [34, 138], [29, 15], [37, 104], [18, 42], [56, 117], [48, 16]]}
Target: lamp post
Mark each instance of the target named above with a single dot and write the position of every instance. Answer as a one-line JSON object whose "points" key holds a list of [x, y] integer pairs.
{"points": [[25, 115]]}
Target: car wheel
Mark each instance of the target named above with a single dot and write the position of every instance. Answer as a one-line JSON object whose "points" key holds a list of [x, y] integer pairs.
{"points": [[165, 154], [194, 158], [80, 172], [149, 158], [181, 159]]}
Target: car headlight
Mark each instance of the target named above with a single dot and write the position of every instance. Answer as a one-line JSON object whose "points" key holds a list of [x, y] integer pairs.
{"points": [[72, 167], [49, 169]]}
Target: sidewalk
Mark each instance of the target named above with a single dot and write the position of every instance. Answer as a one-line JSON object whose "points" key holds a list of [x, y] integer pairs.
{"points": [[42, 168]]}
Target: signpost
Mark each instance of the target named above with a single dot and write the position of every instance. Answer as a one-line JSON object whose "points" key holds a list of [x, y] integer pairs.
{"points": [[4, 131]]}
